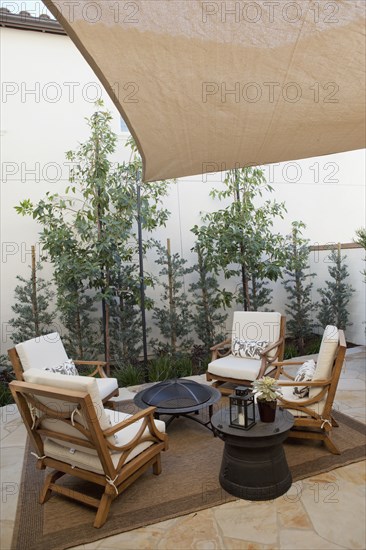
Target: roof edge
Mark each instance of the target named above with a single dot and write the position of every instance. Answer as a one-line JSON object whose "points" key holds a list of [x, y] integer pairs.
{"points": [[25, 21]]}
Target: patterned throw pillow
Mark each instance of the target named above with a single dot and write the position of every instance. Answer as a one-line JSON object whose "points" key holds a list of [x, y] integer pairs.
{"points": [[305, 373], [248, 348], [68, 367]]}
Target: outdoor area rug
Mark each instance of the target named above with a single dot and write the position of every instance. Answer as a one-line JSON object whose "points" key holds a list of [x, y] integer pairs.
{"points": [[188, 482]]}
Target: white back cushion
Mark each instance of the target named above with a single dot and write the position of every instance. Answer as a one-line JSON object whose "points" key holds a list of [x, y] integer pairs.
{"points": [[75, 383], [43, 351], [257, 325], [327, 353]]}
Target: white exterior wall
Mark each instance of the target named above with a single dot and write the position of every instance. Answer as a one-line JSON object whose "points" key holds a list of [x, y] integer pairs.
{"points": [[327, 193]]}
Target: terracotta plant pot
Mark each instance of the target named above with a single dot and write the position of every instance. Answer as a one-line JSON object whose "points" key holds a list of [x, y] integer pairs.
{"points": [[267, 410]]}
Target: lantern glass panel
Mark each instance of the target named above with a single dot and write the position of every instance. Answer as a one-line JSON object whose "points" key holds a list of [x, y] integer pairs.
{"points": [[242, 409]]}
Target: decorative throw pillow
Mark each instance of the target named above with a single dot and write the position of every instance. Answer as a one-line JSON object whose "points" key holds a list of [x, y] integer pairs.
{"points": [[248, 348], [305, 373], [68, 367]]}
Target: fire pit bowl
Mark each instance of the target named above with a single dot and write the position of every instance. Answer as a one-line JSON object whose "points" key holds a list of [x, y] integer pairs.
{"points": [[178, 397]]}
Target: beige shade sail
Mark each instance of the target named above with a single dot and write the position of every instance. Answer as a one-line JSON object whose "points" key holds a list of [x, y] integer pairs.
{"points": [[211, 85]]}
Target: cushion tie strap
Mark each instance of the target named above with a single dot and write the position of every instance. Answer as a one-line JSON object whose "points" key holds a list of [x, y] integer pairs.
{"points": [[325, 421], [34, 415], [75, 411], [38, 457], [111, 482]]}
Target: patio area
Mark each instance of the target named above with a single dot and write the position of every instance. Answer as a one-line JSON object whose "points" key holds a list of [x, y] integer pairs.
{"points": [[322, 512]]}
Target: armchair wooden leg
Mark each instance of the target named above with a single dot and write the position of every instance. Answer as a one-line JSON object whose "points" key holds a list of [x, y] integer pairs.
{"points": [[330, 445], [46, 491], [103, 509], [157, 466], [334, 422]]}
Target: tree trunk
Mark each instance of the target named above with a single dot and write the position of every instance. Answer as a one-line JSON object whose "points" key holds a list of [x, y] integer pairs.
{"points": [[173, 329], [34, 293], [206, 312], [254, 293], [300, 337], [244, 277], [79, 332]]}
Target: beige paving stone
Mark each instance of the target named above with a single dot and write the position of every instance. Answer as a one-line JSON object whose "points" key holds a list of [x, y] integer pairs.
{"points": [[15, 437], [6, 534], [141, 539], [291, 512], [10, 420], [236, 544], [350, 384], [332, 505], [249, 521], [359, 418], [355, 473], [304, 540], [352, 397], [11, 468], [136, 539], [197, 531], [357, 412]]}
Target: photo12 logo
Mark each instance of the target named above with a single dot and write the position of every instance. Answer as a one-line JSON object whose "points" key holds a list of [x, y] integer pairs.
{"points": [[53, 92], [270, 12], [90, 12], [270, 92]]}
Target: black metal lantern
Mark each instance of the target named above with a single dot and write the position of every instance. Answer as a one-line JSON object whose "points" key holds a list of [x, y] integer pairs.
{"points": [[242, 408]]}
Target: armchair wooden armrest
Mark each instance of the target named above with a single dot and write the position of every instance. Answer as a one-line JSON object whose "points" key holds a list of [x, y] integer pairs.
{"points": [[269, 348], [313, 384], [281, 370], [148, 415], [217, 347], [99, 367]]}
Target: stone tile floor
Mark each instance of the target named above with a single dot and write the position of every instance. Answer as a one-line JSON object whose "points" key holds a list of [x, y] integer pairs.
{"points": [[322, 512]]}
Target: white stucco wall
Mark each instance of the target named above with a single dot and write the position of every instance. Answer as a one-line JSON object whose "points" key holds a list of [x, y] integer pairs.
{"points": [[38, 126]]}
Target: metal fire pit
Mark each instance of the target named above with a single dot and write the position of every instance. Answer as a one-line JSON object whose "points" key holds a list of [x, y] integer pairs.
{"points": [[179, 397]]}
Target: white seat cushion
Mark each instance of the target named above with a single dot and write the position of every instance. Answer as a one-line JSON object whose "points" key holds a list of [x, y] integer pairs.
{"points": [[287, 393], [87, 459], [106, 386], [44, 351], [235, 367]]}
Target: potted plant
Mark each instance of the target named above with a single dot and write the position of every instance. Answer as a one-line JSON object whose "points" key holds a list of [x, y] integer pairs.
{"points": [[266, 390]]}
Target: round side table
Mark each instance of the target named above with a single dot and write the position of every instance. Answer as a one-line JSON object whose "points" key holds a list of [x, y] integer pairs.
{"points": [[254, 465]]}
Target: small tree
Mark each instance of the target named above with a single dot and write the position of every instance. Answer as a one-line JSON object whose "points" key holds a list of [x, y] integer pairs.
{"points": [[125, 314], [174, 318], [239, 238], [89, 232], [208, 321], [259, 293], [361, 240], [336, 294], [31, 308], [298, 287], [82, 337]]}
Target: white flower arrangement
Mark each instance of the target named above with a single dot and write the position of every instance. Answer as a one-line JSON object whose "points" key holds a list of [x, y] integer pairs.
{"points": [[266, 389]]}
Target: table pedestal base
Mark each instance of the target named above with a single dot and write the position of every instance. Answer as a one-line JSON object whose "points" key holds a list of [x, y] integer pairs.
{"points": [[255, 473]]}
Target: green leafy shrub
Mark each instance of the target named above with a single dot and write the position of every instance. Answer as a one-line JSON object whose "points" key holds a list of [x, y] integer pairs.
{"points": [[161, 368], [6, 376], [128, 375]]}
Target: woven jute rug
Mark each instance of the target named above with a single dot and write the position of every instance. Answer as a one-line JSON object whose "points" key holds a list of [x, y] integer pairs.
{"points": [[188, 482]]}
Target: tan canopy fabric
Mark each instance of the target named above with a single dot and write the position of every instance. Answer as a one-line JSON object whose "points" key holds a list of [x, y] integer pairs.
{"points": [[211, 85]]}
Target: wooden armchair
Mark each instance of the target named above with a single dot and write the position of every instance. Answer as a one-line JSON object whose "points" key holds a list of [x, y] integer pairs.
{"points": [[313, 414], [48, 351], [246, 366], [72, 433]]}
